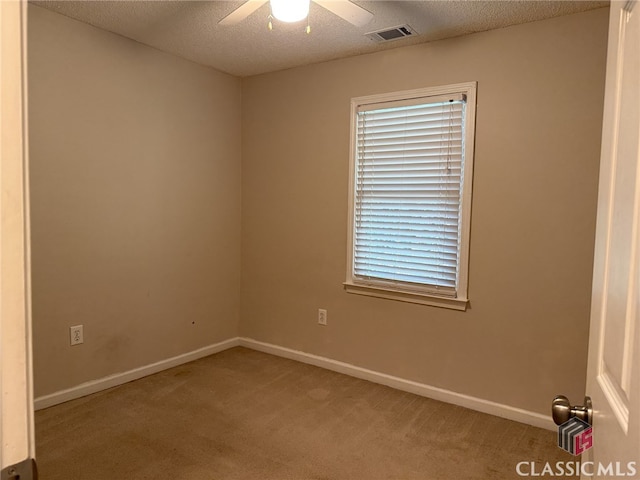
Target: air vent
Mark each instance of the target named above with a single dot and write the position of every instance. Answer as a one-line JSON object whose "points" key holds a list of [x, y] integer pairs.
{"points": [[394, 33]]}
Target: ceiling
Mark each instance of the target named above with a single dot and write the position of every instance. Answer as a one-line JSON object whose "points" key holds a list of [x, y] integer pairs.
{"points": [[190, 29]]}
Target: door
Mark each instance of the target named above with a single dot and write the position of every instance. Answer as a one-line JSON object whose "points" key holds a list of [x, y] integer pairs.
{"points": [[613, 374], [16, 401]]}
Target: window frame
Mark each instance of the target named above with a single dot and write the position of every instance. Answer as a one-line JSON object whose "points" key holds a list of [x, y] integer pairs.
{"points": [[398, 290]]}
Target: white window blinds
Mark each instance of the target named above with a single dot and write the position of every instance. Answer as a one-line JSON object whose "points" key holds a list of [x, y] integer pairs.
{"points": [[407, 196]]}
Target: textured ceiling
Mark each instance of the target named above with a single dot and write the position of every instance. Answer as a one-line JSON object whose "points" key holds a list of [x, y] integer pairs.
{"points": [[190, 29]]}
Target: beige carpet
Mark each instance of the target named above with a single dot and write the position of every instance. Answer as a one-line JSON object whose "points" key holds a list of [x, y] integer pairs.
{"points": [[242, 414]]}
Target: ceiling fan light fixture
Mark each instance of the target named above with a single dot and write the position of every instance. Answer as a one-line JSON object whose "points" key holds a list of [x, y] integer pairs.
{"points": [[290, 10]]}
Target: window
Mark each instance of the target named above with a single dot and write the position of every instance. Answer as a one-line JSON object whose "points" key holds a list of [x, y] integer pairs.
{"points": [[410, 195]]}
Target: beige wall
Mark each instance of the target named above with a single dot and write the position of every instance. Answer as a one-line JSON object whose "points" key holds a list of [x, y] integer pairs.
{"points": [[539, 110], [135, 181]]}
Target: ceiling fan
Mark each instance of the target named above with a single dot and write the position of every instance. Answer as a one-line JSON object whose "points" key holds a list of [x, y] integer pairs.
{"points": [[296, 10]]}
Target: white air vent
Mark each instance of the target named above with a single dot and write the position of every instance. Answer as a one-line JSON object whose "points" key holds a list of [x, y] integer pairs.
{"points": [[393, 33]]}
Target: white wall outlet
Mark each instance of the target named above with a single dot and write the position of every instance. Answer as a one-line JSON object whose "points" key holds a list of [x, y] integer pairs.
{"points": [[322, 316], [76, 334]]}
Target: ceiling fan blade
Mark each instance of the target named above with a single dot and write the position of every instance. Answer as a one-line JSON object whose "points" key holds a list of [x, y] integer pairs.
{"points": [[242, 12], [350, 12]]}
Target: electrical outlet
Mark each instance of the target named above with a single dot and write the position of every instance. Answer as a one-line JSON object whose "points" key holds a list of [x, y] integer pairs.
{"points": [[322, 316], [76, 335]]}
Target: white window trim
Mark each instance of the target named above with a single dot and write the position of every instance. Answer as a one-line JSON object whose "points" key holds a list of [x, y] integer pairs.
{"points": [[402, 293]]}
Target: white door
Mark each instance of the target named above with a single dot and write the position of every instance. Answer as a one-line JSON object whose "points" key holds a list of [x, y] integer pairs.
{"points": [[16, 403], [613, 377]]}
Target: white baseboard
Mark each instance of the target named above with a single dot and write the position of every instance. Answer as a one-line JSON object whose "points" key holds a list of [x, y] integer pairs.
{"points": [[119, 378], [473, 403]]}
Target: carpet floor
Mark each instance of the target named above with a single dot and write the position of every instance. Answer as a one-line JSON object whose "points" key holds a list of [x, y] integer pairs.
{"points": [[242, 414]]}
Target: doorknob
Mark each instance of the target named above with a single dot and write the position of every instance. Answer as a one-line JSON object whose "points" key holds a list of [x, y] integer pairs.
{"points": [[562, 410]]}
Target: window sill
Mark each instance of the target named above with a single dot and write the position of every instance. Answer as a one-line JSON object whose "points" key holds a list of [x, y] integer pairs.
{"points": [[404, 296]]}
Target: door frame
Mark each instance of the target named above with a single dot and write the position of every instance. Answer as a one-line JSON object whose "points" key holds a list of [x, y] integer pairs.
{"points": [[17, 439]]}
